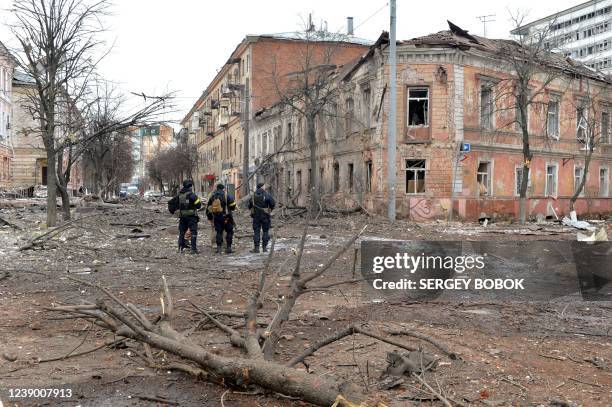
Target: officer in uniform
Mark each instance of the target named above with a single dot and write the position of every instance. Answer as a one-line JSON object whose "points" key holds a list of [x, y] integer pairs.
{"points": [[188, 204], [261, 205], [219, 209]]}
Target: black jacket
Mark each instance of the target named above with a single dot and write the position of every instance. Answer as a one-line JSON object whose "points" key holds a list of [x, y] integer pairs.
{"points": [[261, 202], [190, 204]]}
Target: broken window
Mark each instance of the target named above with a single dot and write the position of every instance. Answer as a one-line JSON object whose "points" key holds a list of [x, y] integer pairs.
{"points": [[289, 135], [605, 127], [369, 174], [350, 177], [418, 106], [604, 182], [519, 180], [551, 180], [552, 119], [483, 177], [415, 176], [366, 96], [486, 106], [336, 186], [578, 174], [581, 124]]}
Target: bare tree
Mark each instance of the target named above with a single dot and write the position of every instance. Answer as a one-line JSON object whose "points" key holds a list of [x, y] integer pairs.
{"points": [[311, 90], [591, 127], [58, 39], [533, 68]]}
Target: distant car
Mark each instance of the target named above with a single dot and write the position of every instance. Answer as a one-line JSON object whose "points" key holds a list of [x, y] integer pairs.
{"points": [[123, 194], [152, 195], [132, 190]]}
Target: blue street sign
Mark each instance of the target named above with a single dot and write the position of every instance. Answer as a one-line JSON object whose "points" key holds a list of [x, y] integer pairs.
{"points": [[466, 147]]}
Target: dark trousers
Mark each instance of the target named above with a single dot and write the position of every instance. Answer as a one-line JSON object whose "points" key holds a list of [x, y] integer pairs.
{"points": [[223, 224], [261, 223], [191, 223]]}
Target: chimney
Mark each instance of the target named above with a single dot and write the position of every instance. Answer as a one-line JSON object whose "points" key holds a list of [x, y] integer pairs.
{"points": [[349, 25]]}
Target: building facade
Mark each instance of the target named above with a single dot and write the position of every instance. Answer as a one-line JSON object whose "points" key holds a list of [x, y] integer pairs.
{"points": [[447, 83], [7, 66], [147, 141], [582, 32], [216, 122]]}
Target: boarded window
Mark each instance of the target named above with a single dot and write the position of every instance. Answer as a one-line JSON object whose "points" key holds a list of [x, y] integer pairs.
{"points": [[418, 106], [415, 176]]}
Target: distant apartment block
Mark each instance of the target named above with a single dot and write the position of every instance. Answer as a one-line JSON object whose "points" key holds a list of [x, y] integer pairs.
{"points": [[582, 32]]}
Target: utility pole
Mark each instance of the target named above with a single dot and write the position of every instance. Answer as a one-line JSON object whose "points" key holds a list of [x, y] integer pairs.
{"points": [[484, 20], [391, 140], [244, 185]]}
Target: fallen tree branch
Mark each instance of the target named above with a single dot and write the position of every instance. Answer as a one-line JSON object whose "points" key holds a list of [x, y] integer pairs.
{"points": [[74, 355], [435, 393], [443, 348]]}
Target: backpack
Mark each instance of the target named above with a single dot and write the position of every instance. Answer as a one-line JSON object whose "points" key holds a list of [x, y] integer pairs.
{"points": [[173, 205], [218, 202], [259, 204]]}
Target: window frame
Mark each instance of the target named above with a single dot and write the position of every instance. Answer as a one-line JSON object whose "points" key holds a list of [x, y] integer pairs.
{"points": [[606, 169], [489, 174], [606, 127], [427, 105], [557, 121], [577, 181], [555, 178], [517, 192], [416, 170], [489, 86]]}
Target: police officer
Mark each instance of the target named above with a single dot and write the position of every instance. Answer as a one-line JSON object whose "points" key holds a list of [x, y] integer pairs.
{"points": [[188, 204], [219, 208], [261, 205]]}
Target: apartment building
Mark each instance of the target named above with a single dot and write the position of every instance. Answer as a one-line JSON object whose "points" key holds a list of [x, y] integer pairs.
{"points": [[455, 150], [216, 121], [7, 66], [582, 32]]}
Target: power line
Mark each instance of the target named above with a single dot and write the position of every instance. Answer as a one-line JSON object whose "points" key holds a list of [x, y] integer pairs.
{"points": [[370, 17], [484, 20]]}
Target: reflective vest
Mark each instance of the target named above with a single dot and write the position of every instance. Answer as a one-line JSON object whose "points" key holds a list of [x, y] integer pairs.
{"points": [[185, 207]]}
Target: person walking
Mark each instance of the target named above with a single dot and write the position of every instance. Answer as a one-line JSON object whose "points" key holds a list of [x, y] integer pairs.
{"points": [[261, 205], [220, 206], [187, 203]]}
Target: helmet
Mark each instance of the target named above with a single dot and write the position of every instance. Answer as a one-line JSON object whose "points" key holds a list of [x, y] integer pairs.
{"points": [[187, 183]]}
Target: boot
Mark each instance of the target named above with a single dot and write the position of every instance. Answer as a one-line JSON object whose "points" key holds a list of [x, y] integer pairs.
{"points": [[194, 244], [229, 250], [219, 247], [265, 248], [255, 249]]}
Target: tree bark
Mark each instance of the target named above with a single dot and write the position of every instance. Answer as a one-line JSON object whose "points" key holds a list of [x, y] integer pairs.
{"points": [[51, 188], [314, 171]]}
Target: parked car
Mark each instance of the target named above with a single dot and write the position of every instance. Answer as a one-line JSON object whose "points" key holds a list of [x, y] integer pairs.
{"points": [[123, 194], [152, 194], [132, 190]]}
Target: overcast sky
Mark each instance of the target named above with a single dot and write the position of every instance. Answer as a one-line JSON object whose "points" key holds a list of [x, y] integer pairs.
{"points": [[179, 45]]}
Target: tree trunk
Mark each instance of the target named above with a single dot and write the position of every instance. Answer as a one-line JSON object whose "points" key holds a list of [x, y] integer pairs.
{"points": [[51, 189], [523, 106], [63, 178], [314, 184], [585, 172]]}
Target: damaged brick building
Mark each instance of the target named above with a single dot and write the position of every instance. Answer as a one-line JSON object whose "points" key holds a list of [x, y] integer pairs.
{"points": [[459, 146], [215, 123]]}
